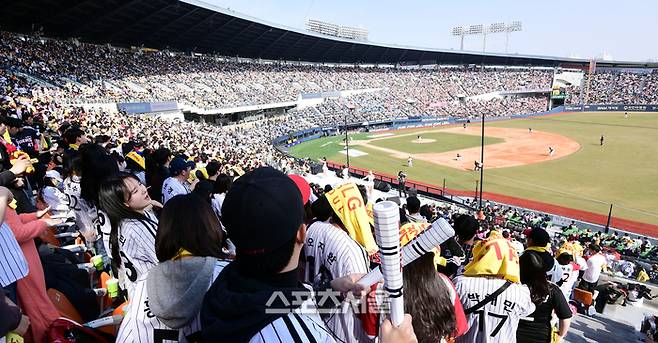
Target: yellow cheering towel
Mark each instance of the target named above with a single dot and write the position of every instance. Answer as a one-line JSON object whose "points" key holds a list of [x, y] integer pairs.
{"points": [[348, 204], [566, 248], [494, 256], [371, 213], [577, 249], [6, 136], [642, 276]]}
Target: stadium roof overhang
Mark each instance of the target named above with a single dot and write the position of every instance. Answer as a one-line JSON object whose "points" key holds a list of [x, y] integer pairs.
{"points": [[192, 25]]}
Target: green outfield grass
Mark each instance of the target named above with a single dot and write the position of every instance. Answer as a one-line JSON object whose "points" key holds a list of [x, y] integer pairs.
{"points": [[622, 172]]}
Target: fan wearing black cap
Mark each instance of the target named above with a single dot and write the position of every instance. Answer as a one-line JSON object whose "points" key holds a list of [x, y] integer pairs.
{"points": [[539, 240], [177, 183], [258, 297]]}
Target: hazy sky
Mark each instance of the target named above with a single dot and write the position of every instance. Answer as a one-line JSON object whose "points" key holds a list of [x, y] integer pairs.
{"points": [[621, 30]]}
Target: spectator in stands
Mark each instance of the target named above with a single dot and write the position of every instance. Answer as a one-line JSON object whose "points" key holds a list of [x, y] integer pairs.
{"points": [[75, 137], [157, 170], [31, 289], [13, 267], [189, 250], [95, 166], [25, 138], [413, 209], [458, 250], [222, 186], [268, 247], [538, 241], [432, 301], [595, 264], [547, 298], [177, 184], [133, 227], [489, 290], [331, 253]]}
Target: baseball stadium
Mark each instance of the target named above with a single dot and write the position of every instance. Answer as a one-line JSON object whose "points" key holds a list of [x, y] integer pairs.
{"points": [[178, 171]]}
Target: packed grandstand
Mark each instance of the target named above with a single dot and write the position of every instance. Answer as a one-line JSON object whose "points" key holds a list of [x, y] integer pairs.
{"points": [[82, 184]]}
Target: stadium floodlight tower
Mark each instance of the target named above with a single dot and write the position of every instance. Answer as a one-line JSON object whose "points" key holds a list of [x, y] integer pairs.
{"points": [[515, 26], [484, 30], [459, 31]]}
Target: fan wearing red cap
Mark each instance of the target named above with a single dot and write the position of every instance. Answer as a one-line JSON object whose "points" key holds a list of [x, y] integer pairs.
{"points": [[303, 186]]}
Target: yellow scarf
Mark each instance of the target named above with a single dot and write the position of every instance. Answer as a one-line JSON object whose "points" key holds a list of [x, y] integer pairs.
{"points": [[547, 249], [494, 256], [348, 204], [182, 253], [73, 146]]}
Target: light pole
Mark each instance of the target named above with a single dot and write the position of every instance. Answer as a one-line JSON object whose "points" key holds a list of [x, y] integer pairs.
{"points": [[484, 30], [482, 161], [350, 106]]}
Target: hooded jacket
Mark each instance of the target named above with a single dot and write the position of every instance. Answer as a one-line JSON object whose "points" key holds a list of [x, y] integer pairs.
{"points": [[176, 289], [236, 309]]}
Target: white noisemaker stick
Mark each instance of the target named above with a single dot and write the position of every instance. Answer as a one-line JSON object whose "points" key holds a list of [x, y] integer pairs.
{"points": [[387, 231], [439, 232]]}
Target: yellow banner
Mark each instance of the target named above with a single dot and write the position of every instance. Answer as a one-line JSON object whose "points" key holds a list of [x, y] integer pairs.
{"points": [[347, 202]]}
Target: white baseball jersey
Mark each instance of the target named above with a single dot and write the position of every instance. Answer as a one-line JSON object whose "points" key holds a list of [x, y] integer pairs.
{"points": [[331, 253], [141, 325], [56, 199], [498, 320], [298, 326], [569, 277], [171, 187], [137, 249]]}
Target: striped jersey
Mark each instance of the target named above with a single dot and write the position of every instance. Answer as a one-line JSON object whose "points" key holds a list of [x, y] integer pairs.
{"points": [[13, 265], [498, 320], [331, 253], [296, 327], [137, 249], [171, 187], [141, 325]]}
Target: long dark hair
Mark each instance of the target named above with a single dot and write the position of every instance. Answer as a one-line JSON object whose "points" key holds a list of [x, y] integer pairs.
{"points": [[113, 194], [428, 300], [95, 165], [188, 222], [533, 275]]}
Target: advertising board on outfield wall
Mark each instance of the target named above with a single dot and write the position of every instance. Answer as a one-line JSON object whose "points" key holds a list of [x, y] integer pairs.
{"points": [[616, 108]]}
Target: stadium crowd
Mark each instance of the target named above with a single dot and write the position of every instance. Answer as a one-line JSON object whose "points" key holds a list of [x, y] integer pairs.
{"points": [[100, 73], [192, 232], [615, 87]]}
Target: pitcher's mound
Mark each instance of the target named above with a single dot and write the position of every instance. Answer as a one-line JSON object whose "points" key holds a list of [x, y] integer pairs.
{"points": [[423, 141]]}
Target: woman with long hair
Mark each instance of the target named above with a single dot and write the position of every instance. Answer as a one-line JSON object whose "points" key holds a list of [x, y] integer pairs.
{"points": [[167, 302], [221, 187], [547, 298], [157, 163], [431, 299], [95, 166], [133, 227]]}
